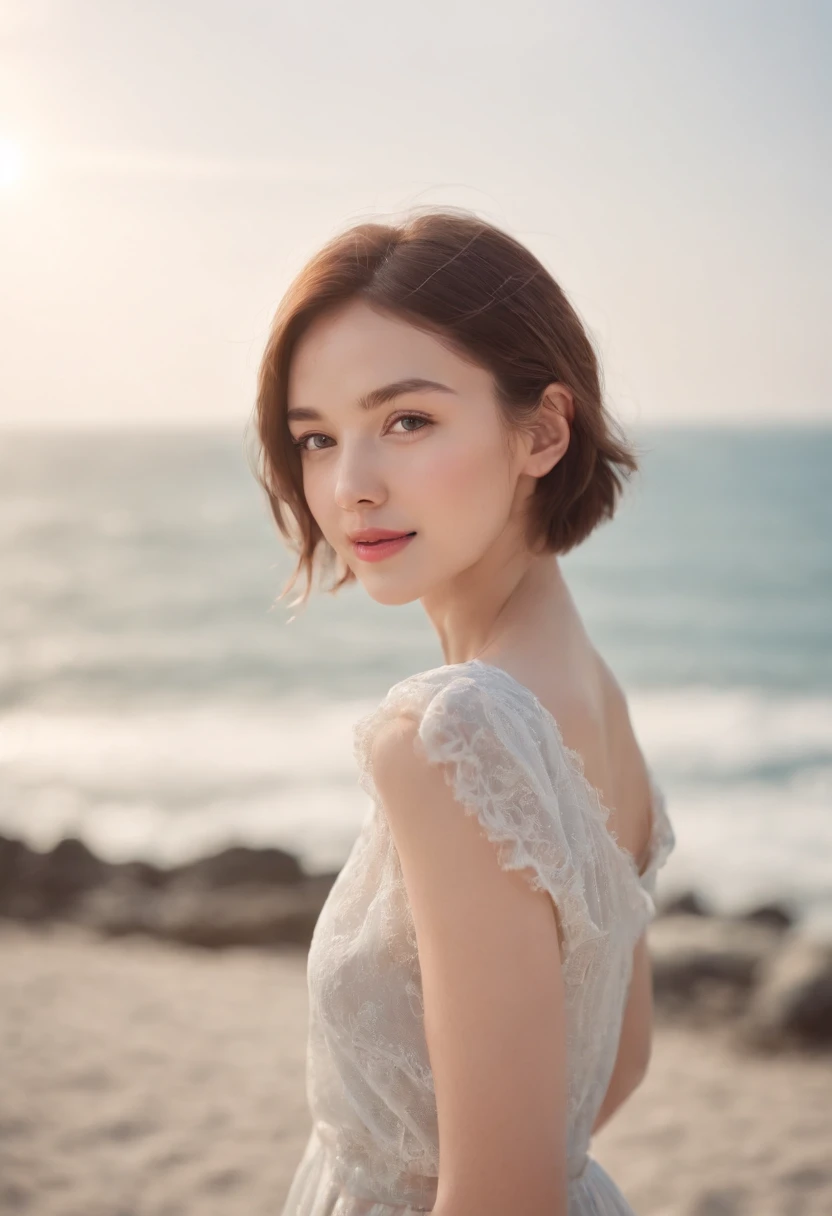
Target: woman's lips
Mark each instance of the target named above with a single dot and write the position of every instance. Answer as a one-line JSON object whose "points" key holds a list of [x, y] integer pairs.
{"points": [[377, 550]]}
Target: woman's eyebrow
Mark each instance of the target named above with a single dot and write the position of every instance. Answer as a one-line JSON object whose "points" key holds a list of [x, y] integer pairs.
{"points": [[377, 396]]}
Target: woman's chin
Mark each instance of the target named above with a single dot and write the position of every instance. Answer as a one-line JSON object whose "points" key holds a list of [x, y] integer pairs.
{"points": [[393, 594]]}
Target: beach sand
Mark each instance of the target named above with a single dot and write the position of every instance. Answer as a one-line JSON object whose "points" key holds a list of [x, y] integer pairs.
{"points": [[142, 1079]]}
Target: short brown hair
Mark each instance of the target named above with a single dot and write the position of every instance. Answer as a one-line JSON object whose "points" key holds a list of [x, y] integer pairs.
{"points": [[486, 295]]}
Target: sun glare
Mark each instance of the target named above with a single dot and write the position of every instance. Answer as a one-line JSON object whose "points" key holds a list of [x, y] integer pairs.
{"points": [[11, 164]]}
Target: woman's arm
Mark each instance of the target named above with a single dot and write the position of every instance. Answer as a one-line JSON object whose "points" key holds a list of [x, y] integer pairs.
{"points": [[493, 996], [635, 1042]]}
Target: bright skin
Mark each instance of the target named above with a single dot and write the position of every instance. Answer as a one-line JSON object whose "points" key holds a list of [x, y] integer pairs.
{"points": [[435, 461]]}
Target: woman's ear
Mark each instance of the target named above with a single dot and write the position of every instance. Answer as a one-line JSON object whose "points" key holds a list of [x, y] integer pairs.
{"points": [[550, 430]]}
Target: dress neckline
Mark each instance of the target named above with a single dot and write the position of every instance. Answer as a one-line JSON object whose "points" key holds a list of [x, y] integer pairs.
{"points": [[575, 763]]}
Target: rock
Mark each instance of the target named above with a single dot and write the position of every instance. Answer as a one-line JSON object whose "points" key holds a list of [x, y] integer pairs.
{"points": [[778, 915], [250, 916], [11, 859], [689, 902], [704, 967], [117, 909], [238, 866], [42, 885], [792, 1005], [240, 896], [141, 874]]}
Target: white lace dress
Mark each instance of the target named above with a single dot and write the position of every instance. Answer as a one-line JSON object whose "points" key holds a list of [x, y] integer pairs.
{"points": [[373, 1149]]}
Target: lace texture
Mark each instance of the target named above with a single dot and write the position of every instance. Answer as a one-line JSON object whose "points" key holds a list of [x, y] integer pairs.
{"points": [[373, 1149]]}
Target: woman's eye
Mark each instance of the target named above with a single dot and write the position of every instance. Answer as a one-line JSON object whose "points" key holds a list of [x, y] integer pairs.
{"points": [[303, 444], [412, 418]]}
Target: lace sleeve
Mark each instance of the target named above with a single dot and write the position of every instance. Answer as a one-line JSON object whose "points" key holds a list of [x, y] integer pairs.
{"points": [[506, 772]]}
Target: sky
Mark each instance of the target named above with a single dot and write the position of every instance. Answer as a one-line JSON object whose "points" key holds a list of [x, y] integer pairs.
{"points": [[166, 168]]}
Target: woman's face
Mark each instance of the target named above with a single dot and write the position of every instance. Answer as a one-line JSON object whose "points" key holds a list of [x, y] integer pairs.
{"points": [[432, 461]]}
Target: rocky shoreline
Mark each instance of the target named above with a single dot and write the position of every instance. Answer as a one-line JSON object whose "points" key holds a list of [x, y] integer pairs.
{"points": [[755, 975]]}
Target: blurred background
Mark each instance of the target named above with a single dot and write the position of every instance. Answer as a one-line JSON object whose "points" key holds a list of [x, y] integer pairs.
{"points": [[158, 703], [166, 169]]}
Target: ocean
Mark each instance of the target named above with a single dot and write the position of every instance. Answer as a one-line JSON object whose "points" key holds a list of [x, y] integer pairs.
{"points": [[157, 700]]}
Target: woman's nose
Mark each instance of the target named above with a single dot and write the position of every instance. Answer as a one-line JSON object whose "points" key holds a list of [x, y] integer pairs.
{"points": [[358, 477]]}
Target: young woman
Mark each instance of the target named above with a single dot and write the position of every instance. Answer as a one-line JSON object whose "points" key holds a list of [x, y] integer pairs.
{"points": [[430, 420]]}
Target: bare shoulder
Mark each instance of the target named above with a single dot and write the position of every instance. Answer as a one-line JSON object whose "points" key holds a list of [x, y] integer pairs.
{"points": [[419, 802], [416, 795], [440, 839], [395, 756]]}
